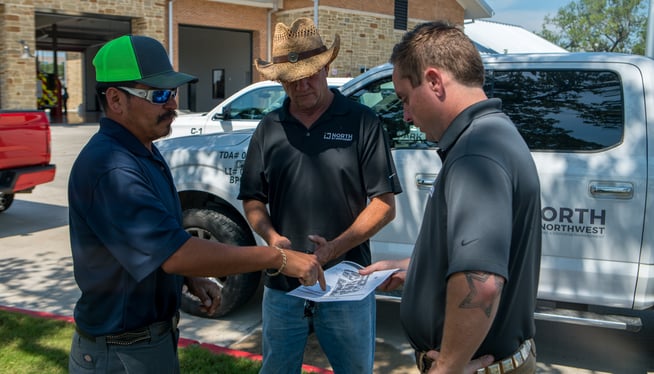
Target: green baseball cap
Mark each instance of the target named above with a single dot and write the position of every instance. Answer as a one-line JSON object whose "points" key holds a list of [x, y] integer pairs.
{"points": [[141, 59]]}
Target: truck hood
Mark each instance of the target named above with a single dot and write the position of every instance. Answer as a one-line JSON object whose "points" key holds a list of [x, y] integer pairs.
{"points": [[191, 118], [196, 149], [209, 141]]}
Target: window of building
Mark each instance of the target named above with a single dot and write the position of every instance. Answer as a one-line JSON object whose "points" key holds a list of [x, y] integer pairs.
{"points": [[401, 12]]}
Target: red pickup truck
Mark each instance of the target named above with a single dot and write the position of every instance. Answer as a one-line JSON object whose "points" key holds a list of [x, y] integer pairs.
{"points": [[24, 153]]}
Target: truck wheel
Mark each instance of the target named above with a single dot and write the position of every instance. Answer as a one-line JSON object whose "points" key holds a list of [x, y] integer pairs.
{"points": [[236, 290], [5, 201]]}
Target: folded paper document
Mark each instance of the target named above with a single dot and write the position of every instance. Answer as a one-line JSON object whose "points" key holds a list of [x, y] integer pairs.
{"points": [[344, 283]]}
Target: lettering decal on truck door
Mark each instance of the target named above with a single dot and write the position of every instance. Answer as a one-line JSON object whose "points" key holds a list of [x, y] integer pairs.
{"points": [[574, 221], [235, 172]]}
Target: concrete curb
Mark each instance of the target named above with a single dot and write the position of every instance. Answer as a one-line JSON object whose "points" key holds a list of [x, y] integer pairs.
{"points": [[183, 342]]}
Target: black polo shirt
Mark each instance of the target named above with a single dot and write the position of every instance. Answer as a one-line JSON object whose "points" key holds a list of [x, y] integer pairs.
{"points": [[318, 180], [483, 214]]}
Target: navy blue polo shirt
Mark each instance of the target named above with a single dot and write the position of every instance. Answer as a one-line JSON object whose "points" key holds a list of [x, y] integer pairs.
{"points": [[317, 180], [125, 222]]}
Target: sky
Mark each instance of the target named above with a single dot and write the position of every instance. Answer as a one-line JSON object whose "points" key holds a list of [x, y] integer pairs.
{"points": [[526, 13]]}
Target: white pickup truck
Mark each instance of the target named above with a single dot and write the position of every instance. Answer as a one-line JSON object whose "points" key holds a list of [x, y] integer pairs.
{"points": [[242, 110], [588, 119]]}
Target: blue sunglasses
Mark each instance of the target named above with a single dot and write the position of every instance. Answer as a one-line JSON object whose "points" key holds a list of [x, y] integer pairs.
{"points": [[159, 97]]}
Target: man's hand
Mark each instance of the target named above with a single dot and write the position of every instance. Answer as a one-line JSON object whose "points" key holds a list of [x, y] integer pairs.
{"points": [[324, 250], [471, 367], [305, 267], [207, 291], [396, 280], [281, 242]]}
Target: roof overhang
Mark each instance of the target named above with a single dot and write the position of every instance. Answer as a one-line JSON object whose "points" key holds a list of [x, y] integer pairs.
{"points": [[475, 9]]}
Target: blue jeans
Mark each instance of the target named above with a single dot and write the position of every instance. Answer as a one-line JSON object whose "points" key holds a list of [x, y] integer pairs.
{"points": [[345, 331]]}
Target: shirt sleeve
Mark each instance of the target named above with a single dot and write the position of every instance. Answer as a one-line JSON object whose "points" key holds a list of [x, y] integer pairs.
{"points": [[478, 192], [253, 181], [377, 162], [133, 223]]}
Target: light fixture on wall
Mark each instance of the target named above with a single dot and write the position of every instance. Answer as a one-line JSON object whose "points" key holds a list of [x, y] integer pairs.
{"points": [[26, 54]]}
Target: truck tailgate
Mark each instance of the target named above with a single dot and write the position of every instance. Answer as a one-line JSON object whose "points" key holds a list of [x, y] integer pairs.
{"points": [[24, 139]]}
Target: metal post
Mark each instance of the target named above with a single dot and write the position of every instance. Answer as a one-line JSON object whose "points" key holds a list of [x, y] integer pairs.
{"points": [[649, 42]]}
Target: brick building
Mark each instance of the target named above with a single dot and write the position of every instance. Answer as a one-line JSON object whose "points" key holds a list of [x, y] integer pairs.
{"points": [[212, 39]]}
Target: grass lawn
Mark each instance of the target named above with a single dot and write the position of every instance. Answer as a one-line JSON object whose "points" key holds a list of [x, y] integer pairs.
{"points": [[40, 345]]}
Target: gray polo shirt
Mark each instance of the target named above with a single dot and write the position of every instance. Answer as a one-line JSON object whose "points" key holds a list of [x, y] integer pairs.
{"points": [[483, 214]]}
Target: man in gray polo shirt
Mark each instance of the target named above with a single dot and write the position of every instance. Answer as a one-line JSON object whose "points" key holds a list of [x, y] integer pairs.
{"points": [[470, 285]]}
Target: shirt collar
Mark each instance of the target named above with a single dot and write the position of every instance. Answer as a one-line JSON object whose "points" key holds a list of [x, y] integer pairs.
{"points": [[123, 136], [463, 121], [338, 106]]}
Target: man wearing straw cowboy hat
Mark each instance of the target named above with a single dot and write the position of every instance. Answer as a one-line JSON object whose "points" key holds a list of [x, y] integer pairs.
{"points": [[318, 177]]}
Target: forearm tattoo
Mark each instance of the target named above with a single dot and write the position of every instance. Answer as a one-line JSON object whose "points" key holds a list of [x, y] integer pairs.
{"points": [[471, 300]]}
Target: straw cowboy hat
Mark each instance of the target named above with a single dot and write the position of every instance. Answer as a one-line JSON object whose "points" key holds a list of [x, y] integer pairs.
{"points": [[298, 52]]}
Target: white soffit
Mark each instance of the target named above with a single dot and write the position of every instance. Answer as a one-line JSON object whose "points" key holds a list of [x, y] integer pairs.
{"points": [[496, 37], [475, 9]]}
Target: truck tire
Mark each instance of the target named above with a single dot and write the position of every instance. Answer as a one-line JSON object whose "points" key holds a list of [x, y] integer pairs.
{"points": [[5, 201], [237, 289]]}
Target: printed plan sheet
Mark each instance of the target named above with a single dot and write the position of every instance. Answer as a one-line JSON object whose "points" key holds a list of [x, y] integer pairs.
{"points": [[344, 283]]}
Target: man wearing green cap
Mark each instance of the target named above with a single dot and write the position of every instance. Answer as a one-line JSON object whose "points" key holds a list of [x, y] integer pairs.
{"points": [[131, 255]]}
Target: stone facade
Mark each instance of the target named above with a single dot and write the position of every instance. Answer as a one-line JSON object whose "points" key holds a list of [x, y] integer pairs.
{"points": [[367, 38], [366, 30], [18, 76]]}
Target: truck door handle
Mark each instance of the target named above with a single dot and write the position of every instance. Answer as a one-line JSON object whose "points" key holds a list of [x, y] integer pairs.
{"points": [[618, 190], [425, 181]]}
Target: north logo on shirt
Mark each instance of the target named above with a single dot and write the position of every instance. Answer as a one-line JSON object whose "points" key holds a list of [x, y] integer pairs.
{"points": [[337, 136]]}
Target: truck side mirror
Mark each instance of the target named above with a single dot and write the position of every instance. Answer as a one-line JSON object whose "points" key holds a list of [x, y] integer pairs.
{"points": [[223, 114]]}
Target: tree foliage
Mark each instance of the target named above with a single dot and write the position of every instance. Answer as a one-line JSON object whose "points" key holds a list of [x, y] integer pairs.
{"points": [[599, 26]]}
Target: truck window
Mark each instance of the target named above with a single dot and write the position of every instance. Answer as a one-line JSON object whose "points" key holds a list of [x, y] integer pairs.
{"points": [[380, 96], [557, 110], [255, 104]]}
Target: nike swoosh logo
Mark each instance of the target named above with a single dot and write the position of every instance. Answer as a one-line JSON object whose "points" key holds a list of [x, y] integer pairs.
{"points": [[464, 242]]}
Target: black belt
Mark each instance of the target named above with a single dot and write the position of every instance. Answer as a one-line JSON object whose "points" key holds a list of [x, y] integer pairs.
{"points": [[133, 336]]}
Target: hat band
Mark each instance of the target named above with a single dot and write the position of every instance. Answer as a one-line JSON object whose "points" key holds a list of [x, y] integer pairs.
{"points": [[294, 57]]}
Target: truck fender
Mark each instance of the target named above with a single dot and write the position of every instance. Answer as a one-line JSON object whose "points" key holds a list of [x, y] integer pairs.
{"points": [[236, 289]]}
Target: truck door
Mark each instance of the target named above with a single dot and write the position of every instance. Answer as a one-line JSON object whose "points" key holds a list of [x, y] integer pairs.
{"points": [[417, 165], [585, 124]]}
